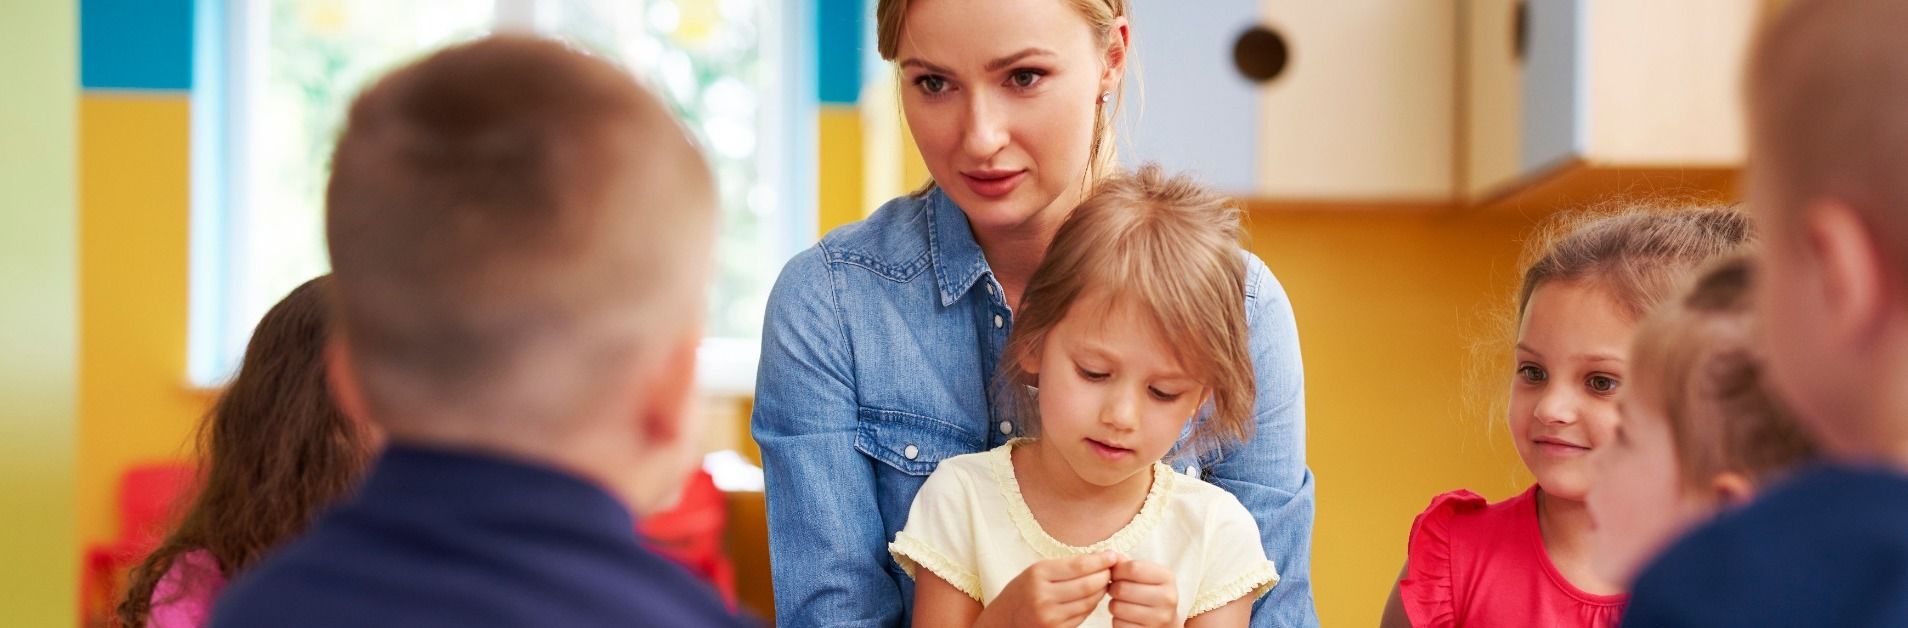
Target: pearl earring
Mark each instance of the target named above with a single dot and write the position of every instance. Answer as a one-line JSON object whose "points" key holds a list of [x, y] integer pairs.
{"points": [[1105, 97]]}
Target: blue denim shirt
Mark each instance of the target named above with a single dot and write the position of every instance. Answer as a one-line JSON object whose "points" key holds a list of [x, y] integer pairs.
{"points": [[878, 358]]}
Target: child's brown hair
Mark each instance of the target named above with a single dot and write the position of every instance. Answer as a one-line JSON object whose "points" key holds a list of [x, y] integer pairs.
{"points": [[1170, 247], [1637, 256], [273, 452], [1695, 359]]}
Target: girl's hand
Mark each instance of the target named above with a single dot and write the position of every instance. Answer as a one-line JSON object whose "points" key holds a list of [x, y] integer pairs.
{"points": [[1053, 593], [1144, 596]]}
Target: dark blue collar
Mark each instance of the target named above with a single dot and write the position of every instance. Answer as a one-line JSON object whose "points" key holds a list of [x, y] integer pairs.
{"points": [[465, 488]]}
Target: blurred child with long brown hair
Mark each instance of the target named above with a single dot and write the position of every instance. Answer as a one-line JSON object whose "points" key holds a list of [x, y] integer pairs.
{"points": [[273, 453]]}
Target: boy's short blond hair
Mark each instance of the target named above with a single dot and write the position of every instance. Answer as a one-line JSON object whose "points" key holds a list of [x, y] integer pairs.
{"points": [[1827, 89], [512, 223]]}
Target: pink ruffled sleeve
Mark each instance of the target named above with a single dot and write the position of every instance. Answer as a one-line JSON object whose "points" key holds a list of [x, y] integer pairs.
{"points": [[1429, 589], [184, 596]]}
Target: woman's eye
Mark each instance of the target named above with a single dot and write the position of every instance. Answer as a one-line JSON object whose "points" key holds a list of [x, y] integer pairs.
{"points": [[1092, 376], [1531, 373], [931, 84], [1025, 78], [1602, 384], [1163, 395]]}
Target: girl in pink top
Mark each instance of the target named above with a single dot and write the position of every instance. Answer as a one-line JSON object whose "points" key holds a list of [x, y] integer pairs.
{"points": [[1526, 561], [274, 451]]}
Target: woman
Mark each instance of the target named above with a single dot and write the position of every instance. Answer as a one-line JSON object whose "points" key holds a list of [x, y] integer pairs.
{"points": [[881, 343]]}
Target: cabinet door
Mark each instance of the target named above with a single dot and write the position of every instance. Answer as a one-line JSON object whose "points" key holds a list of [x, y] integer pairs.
{"points": [[1366, 109], [1185, 105], [1361, 108], [1553, 122], [1492, 41]]}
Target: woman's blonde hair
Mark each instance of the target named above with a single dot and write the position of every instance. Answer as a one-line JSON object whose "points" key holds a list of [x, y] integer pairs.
{"points": [[1170, 247], [1695, 359], [1103, 156]]}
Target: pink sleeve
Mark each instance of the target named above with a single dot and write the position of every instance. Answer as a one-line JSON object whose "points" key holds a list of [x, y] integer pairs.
{"points": [[1428, 589], [183, 598]]}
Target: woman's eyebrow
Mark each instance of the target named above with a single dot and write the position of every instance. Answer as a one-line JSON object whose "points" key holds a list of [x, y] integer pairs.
{"points": [[1017, 57]]}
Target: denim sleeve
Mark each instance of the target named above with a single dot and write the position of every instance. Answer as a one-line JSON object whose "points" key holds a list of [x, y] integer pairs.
{"points": [[1268, 473], [826, 550]]}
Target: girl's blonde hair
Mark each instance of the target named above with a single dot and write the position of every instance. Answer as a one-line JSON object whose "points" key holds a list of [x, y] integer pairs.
{"points": [[1102, 156], [1638, 256], [1170, 247], [1697, 361]]}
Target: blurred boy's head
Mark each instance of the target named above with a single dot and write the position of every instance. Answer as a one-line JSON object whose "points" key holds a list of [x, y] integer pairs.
{"points": [[521, 239], [1828, 180]]}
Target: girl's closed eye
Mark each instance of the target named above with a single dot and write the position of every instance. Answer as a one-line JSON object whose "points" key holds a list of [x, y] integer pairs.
{"points": [[1164, 394], [1091, 375]]}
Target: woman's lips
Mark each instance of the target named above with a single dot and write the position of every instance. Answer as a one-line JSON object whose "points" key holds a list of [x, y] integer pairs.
{"points": [[993, 183]]}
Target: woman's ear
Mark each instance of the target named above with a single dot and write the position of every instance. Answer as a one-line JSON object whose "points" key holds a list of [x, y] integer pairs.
{"points": [[1116, 47], [1733, 489]]}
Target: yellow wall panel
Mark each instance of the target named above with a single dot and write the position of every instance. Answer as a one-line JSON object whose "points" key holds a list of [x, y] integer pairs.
{"points": [[1398, 315], [38, 300], [840, 169], [134, 401]]}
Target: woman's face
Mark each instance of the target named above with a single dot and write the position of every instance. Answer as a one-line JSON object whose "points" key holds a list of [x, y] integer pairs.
{"points": [[1001, 96], [1572, 353]]}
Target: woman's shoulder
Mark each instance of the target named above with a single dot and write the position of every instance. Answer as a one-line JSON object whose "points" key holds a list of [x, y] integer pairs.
{"points": [[895, 232]]}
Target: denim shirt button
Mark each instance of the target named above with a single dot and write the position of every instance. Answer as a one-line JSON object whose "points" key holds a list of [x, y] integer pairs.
{"points": [[911, 452], [1192, 470], [997, 322], [1006, 427]]}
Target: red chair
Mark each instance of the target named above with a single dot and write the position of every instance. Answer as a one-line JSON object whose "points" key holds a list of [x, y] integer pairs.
{"points": [[691, 534], [149, 497]]}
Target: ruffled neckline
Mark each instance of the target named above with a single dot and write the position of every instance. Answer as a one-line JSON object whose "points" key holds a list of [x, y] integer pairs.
{"points": [[1122, 540]]}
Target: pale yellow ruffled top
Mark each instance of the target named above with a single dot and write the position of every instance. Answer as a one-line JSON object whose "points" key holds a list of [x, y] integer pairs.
{"points": [[969, 526]]}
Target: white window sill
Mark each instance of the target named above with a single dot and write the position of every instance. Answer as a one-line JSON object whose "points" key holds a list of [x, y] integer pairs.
{"points": [[725, 367]]}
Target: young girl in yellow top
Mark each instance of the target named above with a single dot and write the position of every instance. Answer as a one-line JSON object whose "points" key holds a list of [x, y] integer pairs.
{"points": [[1132, 324]]}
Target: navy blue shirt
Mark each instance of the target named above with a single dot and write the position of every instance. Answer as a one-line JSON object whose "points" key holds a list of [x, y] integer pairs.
{"points": [[440, 538], [1828, 548]]}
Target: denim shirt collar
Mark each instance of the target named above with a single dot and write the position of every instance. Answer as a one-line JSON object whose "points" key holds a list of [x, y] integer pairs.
{"points": [[957, 259]]}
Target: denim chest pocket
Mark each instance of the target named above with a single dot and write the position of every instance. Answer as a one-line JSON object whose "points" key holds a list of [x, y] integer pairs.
{"points": [[911, 443]]}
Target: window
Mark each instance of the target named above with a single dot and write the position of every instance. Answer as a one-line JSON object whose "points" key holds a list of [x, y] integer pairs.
{"points": [[276, 78]]}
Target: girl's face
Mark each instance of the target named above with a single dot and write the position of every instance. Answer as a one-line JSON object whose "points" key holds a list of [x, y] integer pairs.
{"points": [[1636, 496], [1113, 395], [1571, 352], [1001, 96]]}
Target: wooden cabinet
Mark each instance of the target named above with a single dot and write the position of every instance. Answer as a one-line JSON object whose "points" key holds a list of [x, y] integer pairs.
{"points": [[1565, 100], [1455, 103], [1357, 102]]}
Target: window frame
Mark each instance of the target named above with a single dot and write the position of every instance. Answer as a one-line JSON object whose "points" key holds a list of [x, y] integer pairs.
{"points": [[227, 31]]}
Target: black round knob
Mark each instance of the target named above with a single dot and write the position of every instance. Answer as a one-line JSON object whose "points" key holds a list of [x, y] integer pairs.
{"points": [[1261, 54], [1520, 31]]}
